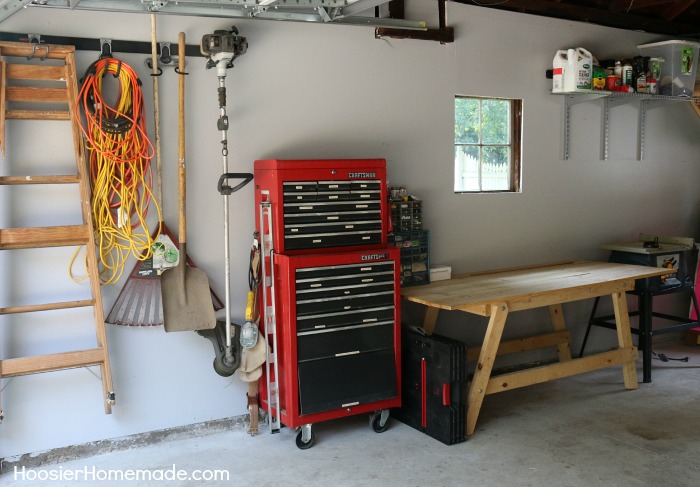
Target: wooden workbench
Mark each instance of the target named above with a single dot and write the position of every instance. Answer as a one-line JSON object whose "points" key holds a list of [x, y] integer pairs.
{"points": [[496, 293]]}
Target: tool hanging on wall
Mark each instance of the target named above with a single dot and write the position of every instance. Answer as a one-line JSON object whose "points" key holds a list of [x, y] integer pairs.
{"points": [[254, 351], [119, 161], [220, 49], [139, 303], [185, 291]]}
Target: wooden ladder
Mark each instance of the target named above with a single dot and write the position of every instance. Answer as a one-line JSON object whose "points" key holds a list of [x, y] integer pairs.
{"points": [[15, 81]]}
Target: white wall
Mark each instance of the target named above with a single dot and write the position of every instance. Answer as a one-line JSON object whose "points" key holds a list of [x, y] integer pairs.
{"points": [[314, 91]]}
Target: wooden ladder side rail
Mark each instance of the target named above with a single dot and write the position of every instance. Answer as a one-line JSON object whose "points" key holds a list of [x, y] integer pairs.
{"points": [[3, 82], [91, 252]]}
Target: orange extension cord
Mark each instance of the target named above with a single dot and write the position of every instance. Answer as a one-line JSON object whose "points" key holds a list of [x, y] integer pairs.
{"points": [[119, 165]]}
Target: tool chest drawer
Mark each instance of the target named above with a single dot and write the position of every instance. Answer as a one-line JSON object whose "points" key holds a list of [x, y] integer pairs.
{"points": [[345, 303], [331, 343], [345, 318], [346, 381]]}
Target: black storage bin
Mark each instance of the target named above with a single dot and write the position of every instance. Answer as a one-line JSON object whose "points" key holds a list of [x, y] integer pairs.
{"points": [[434, 386]]}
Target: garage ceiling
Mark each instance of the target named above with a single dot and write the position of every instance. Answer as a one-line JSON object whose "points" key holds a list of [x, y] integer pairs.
{"points": [[358, 12], [680, 18]]}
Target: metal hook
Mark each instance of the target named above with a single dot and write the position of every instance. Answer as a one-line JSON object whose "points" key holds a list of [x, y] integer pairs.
{"points": [[46, 54], [107, 43]]}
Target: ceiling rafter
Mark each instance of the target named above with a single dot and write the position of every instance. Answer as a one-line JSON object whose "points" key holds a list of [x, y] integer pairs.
{"points": [[671, 17]]}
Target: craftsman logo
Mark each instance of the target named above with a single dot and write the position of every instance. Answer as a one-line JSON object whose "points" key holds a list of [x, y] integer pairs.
{"points": [[375, 256], [362, 175]]}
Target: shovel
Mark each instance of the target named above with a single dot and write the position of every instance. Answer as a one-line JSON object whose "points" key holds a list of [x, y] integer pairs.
{"points": [[187, 304]]}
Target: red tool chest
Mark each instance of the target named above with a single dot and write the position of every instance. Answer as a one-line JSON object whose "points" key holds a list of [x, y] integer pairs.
{"points": [[325, 206], [331, 299]]}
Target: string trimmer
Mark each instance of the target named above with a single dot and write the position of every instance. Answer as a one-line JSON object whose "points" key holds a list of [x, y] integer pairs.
{"points": [[220, 49]]}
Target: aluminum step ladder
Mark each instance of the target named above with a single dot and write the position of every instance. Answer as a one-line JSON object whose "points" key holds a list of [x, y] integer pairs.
{"points": [[50, 89], [269, 318]]}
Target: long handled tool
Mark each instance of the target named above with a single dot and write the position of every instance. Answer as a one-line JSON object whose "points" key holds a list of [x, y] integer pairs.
{"points": [[221, 48], [139, 303], [185, 290]]}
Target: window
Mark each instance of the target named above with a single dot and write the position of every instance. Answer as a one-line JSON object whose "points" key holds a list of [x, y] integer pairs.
{"points": [[487, 144]]}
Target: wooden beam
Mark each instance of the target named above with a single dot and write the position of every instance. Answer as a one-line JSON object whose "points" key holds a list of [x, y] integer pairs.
{"points": [[627, 5], [537, 375], [444, 34], [621, 20], [676, 9], [536, 342]]}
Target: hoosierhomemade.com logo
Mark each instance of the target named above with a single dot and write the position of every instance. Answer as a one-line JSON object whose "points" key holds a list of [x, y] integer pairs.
{"points": [[94, 474]]}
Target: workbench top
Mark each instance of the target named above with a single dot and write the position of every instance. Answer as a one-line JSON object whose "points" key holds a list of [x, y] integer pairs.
{"points": [[528, 287]]}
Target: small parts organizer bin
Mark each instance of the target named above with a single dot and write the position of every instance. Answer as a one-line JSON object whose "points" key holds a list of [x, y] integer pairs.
{"points": [[415, 256], [406, 215]]}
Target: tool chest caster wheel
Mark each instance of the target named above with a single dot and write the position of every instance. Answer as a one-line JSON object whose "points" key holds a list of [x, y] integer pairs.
{"points": [[305, 437], [379, 421]]}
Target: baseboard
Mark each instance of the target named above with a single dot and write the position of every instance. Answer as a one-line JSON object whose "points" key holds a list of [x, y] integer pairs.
{"points": [[85, 450]]}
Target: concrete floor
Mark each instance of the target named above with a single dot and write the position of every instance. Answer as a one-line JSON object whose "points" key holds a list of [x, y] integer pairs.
{"points": [[581, 431]]}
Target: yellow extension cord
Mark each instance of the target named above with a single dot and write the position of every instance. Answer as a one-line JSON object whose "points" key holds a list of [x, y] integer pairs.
{"points": [[120, 175]]}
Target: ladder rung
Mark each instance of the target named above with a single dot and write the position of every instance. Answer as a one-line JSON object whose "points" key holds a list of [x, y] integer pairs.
{"points": [[24, 49], [47, 306], [34, 71], [37, 115], [57, 179], [46, 363], [39, 237], [30, 93]]}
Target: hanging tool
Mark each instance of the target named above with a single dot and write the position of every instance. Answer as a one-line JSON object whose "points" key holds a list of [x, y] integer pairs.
{"points": [[185, 290], [139, 303], [119, 159], [220, 49], [254, 351]]}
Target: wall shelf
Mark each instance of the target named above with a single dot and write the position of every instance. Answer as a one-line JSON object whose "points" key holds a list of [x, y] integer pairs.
{"points": [[611, 100]]}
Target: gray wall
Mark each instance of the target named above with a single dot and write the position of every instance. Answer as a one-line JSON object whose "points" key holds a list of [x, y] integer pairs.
{"points": [[315, 91]]}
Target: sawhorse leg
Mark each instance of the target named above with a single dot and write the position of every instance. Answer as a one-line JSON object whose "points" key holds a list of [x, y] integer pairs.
{"points": [[487, 356], [624, 338], [430, 319]]}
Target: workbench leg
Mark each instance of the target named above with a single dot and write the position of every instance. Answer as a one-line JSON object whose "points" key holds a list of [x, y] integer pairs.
{"points": [[624, 338], [430, 319], [487, 356], [558, 324]]}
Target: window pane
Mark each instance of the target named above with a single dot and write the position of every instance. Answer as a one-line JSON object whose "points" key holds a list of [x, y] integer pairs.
{"points": [[467, 172], [495, 168], [466, 121], [495, 122]]}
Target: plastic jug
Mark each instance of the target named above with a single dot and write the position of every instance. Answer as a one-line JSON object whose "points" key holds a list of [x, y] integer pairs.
{"points": [[558, 68], [578, 71]]}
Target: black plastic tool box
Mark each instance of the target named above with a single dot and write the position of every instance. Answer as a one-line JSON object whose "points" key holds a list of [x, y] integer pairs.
{"points": [[434, 386]]}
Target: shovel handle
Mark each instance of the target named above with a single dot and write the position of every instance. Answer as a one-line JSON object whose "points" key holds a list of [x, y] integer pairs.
{"points": [[181, 173]]}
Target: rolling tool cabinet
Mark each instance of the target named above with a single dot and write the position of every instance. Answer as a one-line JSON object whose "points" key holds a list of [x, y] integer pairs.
{"points": [[331, 293]]}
